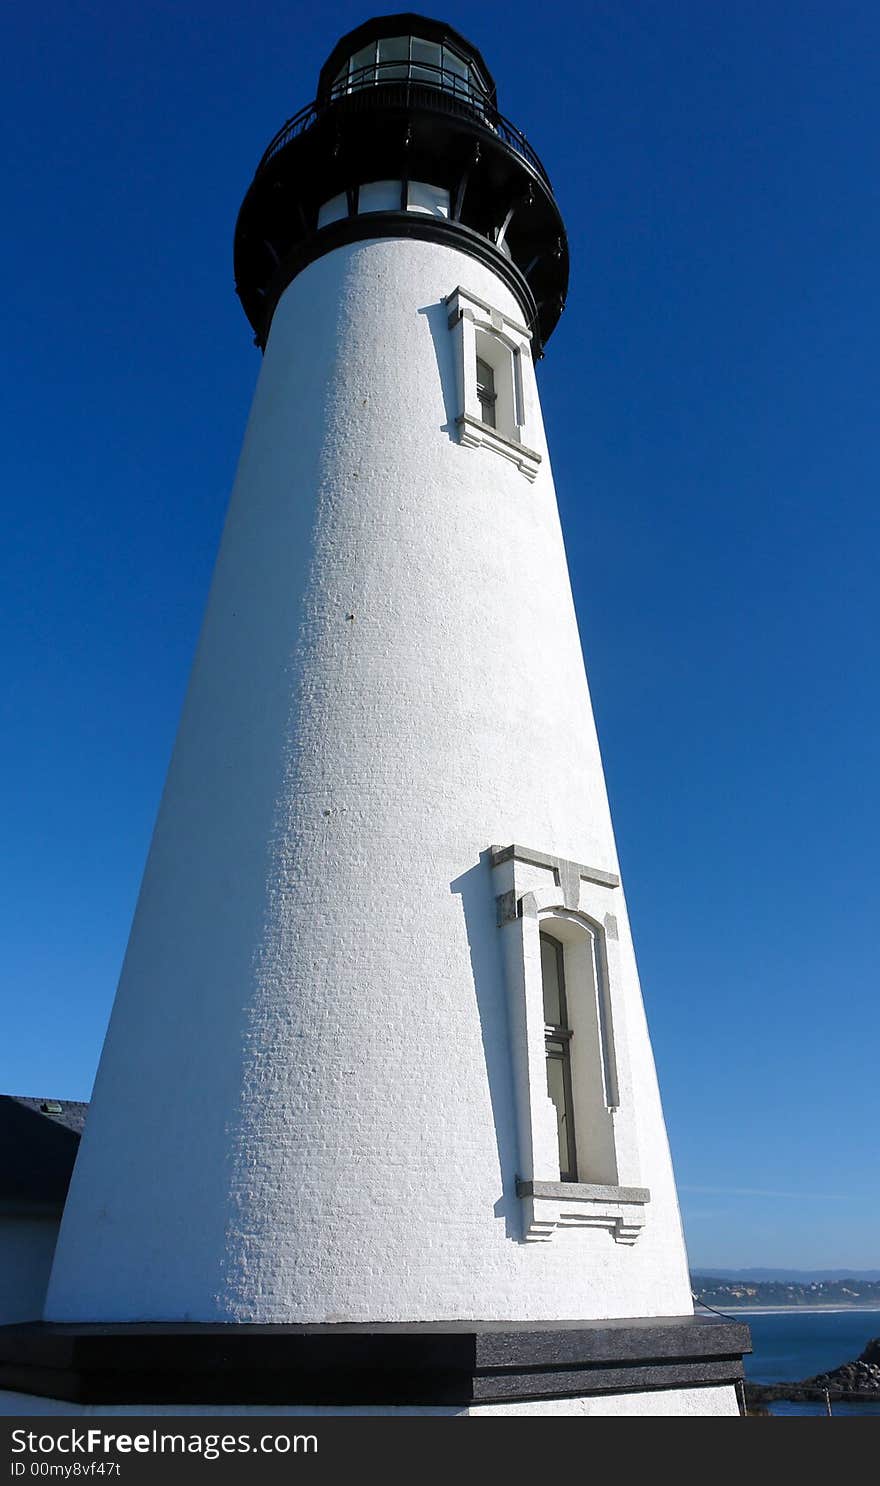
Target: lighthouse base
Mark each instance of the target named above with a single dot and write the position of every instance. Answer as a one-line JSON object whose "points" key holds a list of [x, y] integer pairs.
{"points": [[672, 1403], [680, 1365]]}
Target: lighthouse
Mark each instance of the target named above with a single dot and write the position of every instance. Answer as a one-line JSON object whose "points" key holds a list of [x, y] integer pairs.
{"points": [[376, 1123]]}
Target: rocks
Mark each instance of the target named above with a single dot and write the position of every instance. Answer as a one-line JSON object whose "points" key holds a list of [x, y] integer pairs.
{"points": [[861, 1376], [852, 1382], [852, 1377]]}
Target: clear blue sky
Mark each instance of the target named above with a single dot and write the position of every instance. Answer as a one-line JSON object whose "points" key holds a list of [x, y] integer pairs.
{"points": [[711, 396]]}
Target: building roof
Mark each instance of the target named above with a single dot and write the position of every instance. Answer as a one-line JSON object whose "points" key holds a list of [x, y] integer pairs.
{"points": [[39, 1139]]}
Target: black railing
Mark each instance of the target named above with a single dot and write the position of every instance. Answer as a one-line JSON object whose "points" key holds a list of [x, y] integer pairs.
{"points": [[297, 125], [409, 84]]}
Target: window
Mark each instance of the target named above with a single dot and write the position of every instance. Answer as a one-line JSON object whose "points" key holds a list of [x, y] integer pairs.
{"points": [[492, 365], [457, 74], [363, 67], [429, 55], [393, 58], [578, 1160], [385, 196], [486, 391], [557, 1039]]}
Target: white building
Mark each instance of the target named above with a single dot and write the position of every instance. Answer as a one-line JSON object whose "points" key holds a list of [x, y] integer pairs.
{"points": [[380, 1008]]}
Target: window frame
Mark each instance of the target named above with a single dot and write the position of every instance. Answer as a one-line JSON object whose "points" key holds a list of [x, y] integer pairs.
{"points": [[481, 331], [536, 894]]}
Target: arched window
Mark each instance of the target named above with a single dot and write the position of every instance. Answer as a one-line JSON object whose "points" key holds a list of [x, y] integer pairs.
{"points": [[578, 1139], [490, 351], [578, 1045], [557, 1043]]}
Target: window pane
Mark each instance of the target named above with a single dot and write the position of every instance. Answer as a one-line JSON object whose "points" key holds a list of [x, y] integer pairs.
{"points": [[427, 52], [556, 1090], [363, 70], [393, 49], [456, 73], [552, 989], [380, 196], [452, 62], [486, 391], [485, 376]]}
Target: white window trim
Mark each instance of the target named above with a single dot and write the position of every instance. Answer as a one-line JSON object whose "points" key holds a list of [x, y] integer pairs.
{"points": [[470, 319], [534, 890]]}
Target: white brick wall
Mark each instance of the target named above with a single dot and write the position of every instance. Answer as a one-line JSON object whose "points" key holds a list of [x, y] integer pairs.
{"points": [[304, 1110]]}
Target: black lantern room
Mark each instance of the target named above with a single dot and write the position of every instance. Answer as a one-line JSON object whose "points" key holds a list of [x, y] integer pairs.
{"points": [[403, 140]]}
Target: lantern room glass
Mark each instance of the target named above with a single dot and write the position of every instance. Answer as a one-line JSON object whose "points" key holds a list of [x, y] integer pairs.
{"points": [[413, 58]]}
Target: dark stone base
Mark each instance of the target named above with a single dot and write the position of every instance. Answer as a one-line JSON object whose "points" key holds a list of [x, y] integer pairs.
{"points": [[421, 1363]]}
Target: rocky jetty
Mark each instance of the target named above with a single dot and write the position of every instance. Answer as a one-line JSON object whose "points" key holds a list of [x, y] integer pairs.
{"points": [[852, 1382]]}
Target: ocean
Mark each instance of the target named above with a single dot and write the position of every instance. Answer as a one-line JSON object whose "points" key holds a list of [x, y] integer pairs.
{"points": [[794, 1344]]}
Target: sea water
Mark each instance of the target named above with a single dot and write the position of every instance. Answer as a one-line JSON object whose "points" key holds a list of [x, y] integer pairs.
{"points": [[789, 1345]]}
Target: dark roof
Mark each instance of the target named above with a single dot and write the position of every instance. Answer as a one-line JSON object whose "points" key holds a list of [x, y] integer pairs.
{"points": [[39, 1139]]}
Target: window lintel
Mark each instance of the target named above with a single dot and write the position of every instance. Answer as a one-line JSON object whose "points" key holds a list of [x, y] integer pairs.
{"points": [[462, 302]]}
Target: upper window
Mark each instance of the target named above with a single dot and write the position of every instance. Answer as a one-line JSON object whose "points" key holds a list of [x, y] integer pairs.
{"points": [[489, 350], [498, 378], [393, 58], [486, 391]]}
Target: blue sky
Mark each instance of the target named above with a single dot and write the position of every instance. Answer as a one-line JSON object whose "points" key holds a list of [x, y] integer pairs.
{"points": [[711, 402]]}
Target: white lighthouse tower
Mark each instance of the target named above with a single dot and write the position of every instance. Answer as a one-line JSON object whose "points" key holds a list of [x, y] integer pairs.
{"points": [[376, 1122]]}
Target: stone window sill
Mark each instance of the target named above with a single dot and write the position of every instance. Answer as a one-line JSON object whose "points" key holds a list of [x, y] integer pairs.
{"points": [[552, 1205], [476, 434]]}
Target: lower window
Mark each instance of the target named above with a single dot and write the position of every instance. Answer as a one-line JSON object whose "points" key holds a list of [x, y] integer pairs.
{"points": [[557, 1043]]}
